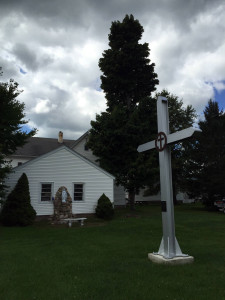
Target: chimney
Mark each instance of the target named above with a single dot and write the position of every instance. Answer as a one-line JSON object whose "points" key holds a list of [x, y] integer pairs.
{"points": [[60, 138]]}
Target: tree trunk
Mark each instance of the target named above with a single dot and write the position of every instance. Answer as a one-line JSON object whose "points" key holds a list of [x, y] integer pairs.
{"points": [[175, 202], [131, 198]]}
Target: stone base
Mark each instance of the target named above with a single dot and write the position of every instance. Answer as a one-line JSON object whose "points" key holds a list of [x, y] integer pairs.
{"points": [[178, 260], [62, 209]]}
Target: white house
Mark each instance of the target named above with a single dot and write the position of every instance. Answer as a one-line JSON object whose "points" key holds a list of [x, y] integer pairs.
{"points": [[84, 180], [81, 147], [50, 163], [181, 197]]}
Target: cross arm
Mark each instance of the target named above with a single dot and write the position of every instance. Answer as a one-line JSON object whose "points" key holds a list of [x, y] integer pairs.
{"points": [[171, 138], [181, 135], [146, 146]]}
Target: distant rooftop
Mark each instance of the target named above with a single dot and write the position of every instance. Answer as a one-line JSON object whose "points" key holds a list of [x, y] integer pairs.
{"points": [[37, 146]]}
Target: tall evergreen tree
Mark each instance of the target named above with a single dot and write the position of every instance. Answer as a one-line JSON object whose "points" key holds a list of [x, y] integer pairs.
{"points": [[128, 76], [11, 122], [206, 166], [128, 80]]}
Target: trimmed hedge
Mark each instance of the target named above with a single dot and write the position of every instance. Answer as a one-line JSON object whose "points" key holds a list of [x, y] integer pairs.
{"points": [[104, 209], [17, 210]]}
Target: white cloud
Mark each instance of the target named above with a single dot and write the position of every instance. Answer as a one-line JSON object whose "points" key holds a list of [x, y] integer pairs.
{"points": [[59, 47], [43, 106], [219, 85]]}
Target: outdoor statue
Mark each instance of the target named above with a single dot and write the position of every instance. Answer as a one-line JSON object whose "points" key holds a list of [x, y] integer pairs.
{"points": [[64, 196]]}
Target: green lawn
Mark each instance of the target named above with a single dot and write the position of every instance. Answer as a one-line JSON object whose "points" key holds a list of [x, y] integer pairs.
{"points": [[108, 260]]}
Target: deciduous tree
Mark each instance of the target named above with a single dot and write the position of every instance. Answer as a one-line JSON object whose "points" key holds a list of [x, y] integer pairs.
{"points": [[11, 121]]}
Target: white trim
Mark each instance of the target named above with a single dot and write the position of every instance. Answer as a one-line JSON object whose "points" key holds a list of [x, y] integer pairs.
{"points": [[40, 191], [181, 135], [83, 193]]}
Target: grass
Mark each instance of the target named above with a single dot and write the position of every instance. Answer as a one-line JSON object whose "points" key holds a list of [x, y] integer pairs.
{"points": [[108, 260]]}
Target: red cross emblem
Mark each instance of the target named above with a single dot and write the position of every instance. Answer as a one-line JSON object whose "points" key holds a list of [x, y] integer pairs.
{"points": [[161, 141]]}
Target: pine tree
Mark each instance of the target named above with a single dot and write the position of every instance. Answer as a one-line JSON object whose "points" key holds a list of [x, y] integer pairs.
{"points": [[128, 80], [206, 166], [128, 76], [104, 208], [17, 210]]}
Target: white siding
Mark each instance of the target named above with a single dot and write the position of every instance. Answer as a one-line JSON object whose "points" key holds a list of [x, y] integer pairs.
{"points": [[140, 196], [119, 195], [184, 198], [180, 197], [64, 168], [80, 148]]}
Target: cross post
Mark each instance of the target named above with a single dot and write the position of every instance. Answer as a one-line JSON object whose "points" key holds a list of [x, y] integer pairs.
{"points": [[169, 249]]}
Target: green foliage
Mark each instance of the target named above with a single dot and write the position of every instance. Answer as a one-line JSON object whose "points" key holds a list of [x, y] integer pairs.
{"points": [[114, 138], [104, 209], [128, 80], [17, 210], [131, 119], [128, 76], [206, 166], [11, 122]]}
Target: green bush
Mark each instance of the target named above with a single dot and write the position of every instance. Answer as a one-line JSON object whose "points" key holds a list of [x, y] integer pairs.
{"points": [[17, 210], [104, 209]]}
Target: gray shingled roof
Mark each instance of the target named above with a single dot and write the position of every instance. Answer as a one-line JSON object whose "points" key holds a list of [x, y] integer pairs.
{"points": [[37, 146]]}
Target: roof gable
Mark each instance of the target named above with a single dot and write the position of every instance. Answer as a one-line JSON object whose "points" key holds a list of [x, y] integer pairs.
{"points": [[69, 150], [85, 135]]}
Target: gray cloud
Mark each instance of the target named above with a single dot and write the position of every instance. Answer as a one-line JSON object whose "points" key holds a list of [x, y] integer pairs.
{"points": [[26, 56], [59, 44]]}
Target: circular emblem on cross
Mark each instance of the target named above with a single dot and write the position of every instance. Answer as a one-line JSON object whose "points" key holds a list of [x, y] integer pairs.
{"points": [[161, 141]]}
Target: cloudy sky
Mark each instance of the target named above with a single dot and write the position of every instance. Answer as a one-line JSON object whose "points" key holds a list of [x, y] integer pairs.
{"points": [[52, 48]]}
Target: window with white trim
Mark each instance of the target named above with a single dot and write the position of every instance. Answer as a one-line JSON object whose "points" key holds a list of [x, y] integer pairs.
{"points": [[46, 192], [78, 194]]}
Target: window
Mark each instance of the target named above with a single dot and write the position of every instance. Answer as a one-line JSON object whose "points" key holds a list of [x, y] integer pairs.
{"points": [[46, 192], [19, 163], [86, 148], [78, 192]]}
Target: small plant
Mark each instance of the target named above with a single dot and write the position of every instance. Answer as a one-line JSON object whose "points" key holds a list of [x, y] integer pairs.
{"points": [[104, 209], [17, 210]]}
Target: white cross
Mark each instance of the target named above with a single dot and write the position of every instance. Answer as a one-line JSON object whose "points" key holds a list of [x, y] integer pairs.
{"points": [[169, 247]]}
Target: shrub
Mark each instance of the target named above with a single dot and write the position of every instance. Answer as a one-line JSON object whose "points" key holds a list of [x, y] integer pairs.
{"points": [[17, 210], [104, 209]]}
